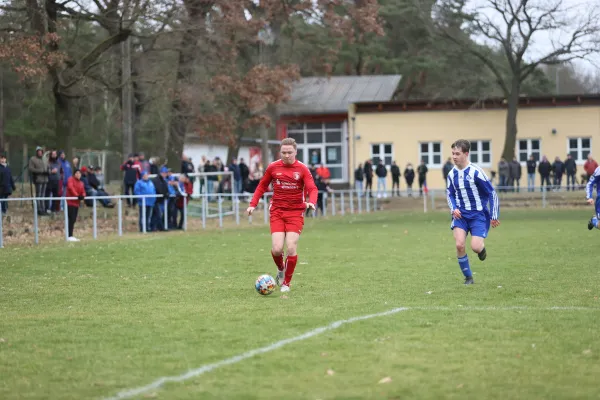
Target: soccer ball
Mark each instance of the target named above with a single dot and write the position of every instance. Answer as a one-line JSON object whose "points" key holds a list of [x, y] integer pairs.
{"points": [[265, 285]]}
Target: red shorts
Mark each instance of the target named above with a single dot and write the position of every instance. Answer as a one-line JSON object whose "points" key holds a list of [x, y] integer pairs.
{"points": [[287, 220]]}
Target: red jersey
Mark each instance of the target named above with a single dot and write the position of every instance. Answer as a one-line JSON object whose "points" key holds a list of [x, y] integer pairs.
{"points": [[75, 188], [290, 182]]}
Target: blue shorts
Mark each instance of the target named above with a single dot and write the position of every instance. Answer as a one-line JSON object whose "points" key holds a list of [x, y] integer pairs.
{"points": [[478, 225], [598, 206]]}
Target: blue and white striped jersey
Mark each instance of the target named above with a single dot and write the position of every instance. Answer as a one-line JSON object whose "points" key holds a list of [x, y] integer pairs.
{"points": [[594, 180], [470, 190]]}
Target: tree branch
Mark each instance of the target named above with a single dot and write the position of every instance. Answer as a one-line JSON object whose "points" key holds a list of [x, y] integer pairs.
{"points": [[87, 62]]}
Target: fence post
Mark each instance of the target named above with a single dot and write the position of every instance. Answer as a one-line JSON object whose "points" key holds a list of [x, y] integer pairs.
{"points": [[144, 214], [352, 201], [368, 202], [166, 214], [424, 202], [543, 197], [324, 197], [237, 211], [359, 197], [343, 204], [120, 215], [35, 222], [204, 205], [220, 208], [332, 204], [265, 207], [94, 217], [66, 212], [432, 200], [374, 203], [185, 204]]}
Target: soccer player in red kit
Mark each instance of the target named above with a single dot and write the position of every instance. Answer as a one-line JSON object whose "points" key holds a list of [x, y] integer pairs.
{"points": [[291, 180]]}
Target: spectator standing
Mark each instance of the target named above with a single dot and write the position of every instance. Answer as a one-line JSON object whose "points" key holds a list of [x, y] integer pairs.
{"points": [[590, 166], [74, 189], [7, 183], [503, 173], [558, 167], [145, 187], [245, 174], [237, 176], [395, 171], [422, 173], [358, 180], [368, 169], [409, 177], [515, 174], [531, 164], [54, 181], [158, 212], [131, 175], [381, 172], [571, 170], [544, 169], [38, 168]]}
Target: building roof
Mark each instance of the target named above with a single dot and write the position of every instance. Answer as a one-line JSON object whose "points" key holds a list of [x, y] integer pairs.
{"points": [[332, 95], [583, 100]]}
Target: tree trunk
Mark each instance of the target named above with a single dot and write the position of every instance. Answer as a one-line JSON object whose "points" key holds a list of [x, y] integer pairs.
{"points": [[510, 139], [127, 98], [233, 150], [66, 114]]}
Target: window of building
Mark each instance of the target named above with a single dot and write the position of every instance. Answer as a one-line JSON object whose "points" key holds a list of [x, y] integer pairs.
{"points": [[382, 151], [431, 153], [529, 147], [321, 143], [481, 153], [579, 148]]}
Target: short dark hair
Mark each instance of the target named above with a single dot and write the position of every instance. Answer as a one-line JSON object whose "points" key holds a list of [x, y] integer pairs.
{"points": [[462, 144]]}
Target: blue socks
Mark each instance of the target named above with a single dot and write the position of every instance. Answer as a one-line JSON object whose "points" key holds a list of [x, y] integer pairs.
{"points": [[464, 266], [595, 222]]}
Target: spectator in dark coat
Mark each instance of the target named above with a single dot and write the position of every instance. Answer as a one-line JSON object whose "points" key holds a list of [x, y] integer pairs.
{"points": [[38, 168], [544, 169], [504, 174], [161, 185], [358, 180], [409, 177], [381, 172], [368, 170], [395, 171], [237, 176], [422, 172], [186, 166], [245, 173], [131, 175], [447, 168], [531, 164], [514, 177], [7, 183], [558, 167], [571, 170]]}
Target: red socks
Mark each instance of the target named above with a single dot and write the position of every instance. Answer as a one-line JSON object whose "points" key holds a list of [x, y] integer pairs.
{"points": [[290, 266], [278, 261]]}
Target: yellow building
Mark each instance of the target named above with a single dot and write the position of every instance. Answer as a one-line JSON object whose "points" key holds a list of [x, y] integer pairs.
{"points": [[413, 130]]}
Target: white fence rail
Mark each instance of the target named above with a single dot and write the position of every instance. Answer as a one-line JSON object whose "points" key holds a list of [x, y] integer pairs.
{"points": [[206, 206]]}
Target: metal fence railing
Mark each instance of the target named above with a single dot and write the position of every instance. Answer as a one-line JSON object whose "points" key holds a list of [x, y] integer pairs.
{"points": [[228, 209]]}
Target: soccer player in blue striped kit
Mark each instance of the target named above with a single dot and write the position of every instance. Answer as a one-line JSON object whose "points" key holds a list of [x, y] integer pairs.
{"points": [[594, 180], [469, 190]]}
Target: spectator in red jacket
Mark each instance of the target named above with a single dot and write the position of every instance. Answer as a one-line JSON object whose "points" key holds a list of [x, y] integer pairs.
{"points": [[187, 187], [74, 189]]}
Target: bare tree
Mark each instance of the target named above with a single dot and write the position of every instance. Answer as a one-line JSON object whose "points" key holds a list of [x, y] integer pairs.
{"points": [[512, 27]]}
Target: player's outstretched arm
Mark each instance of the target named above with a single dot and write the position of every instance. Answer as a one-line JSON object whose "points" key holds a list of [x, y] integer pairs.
{"points": [[589, 188], [484, 185], [451, 198], [262, 187], [310, 188]]}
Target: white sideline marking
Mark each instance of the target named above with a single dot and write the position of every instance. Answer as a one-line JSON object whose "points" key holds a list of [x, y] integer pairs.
{"points": [[235, 359], [334, 325]]}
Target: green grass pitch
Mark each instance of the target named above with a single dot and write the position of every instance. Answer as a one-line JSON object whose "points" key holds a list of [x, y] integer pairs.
{"points": [[90, 320]]}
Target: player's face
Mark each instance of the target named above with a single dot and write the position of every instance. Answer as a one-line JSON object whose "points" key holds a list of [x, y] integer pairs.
{"points": [[459, 158], [288, 154]]}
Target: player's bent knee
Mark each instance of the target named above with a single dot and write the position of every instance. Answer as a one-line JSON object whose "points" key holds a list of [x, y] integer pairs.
{"points": [[460, 247]]}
